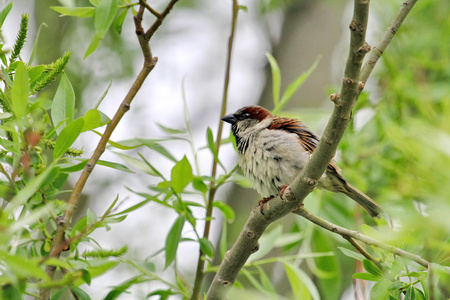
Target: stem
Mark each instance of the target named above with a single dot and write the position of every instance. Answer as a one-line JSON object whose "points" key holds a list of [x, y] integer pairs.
{"points": [[212, 187], [347, 233], [149, 64]]}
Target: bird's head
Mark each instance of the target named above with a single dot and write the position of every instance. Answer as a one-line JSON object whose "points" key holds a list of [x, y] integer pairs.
{"points": [[248, 119]]}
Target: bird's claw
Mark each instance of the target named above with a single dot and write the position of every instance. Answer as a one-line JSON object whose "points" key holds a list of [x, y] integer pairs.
{"points": [[282, 189], [264, 201]]}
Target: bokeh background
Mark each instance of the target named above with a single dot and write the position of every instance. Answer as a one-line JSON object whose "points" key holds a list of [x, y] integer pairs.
{"points": [[397, 149]]}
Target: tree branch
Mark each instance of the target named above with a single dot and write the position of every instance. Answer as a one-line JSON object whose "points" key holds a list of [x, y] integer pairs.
{"points": [[148, 65], [347, 233], [213, 188], [247, 241], [384, 41]]}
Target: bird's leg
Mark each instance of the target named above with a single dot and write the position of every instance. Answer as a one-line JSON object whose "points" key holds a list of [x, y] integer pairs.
{"points": [[264, 201], [282, 189]]}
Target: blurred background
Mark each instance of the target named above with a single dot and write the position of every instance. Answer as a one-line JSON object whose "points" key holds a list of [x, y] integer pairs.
{"points": [[396, 149]]}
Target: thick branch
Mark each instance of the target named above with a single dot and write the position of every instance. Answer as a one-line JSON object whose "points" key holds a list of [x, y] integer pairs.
{"points": [[345, 233]]}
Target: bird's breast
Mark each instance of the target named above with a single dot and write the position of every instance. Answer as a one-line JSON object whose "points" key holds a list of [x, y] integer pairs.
{"points": [[271, 159]]}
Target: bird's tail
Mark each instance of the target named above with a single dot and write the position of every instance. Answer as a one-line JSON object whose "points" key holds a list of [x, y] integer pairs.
{"points": [[362, 199]]}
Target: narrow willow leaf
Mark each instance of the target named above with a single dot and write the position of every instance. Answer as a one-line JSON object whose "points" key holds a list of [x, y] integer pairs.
{"points": [[206, 247], [105, 13], [81, 12], [114, 165], [379, 289], [372, 268], [276, 79], [181, 175], [227, 211], [295, 86], [20, 90], [92, 119], [302, 286], [118, 22], [351, 254], [35, 46], [173, 239], [66, 138], [63, 105], [92, 46], [4, 13], [21, 266], [366, 276], [25, 193]]}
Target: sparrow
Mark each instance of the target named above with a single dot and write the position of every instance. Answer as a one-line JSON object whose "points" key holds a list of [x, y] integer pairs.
{"points": [[273, 150]]}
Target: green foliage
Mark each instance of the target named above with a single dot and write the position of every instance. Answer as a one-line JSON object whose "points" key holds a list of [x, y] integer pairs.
{"points": [[401, 150]]}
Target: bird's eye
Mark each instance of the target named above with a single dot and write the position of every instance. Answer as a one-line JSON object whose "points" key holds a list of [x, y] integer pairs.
{"points": [[242, 116]]}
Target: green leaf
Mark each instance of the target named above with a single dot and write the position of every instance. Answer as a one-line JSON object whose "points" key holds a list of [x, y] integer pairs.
{"points": [[79, 293], [379, 290], [351, 254], [66, 138], [199, 185], [302, 286], [81, 12], [20, 90], [114, 165], [92, 46], [92, 119], [372, 268], [396, 285], [22, 267], [266, 282], [413, 293], [4, 13], [105, 13], [170, 131], [206, 247], [35, 46], [173, 239], [123, 287], [141, 165], [118, 22], [63, 105], [276, 79], [366, 276], [227, 211], [25, 193], [295, 86], [181, 175]]}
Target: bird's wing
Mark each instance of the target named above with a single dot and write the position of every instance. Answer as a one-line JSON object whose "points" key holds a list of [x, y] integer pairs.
{"points": [[308, 139]]}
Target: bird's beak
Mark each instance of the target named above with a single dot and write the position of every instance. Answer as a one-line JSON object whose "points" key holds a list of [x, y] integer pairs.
{"points": [[230, 119]]}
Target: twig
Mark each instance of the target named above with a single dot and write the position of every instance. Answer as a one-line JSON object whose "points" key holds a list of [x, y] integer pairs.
{"points": [[384, 41], [159, 20], [364, 252], [149, 8], [149, 64], [213, 188], [344, 232]]}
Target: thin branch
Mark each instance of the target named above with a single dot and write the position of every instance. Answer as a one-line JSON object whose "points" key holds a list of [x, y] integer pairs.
{"points": [[344, 232], [149, 8], [364, 252], [213, 188], [149, 64], [159, 20], [384, 41]]}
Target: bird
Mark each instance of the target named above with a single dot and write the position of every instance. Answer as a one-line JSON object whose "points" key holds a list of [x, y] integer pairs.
{"points": [[273, 150]]}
